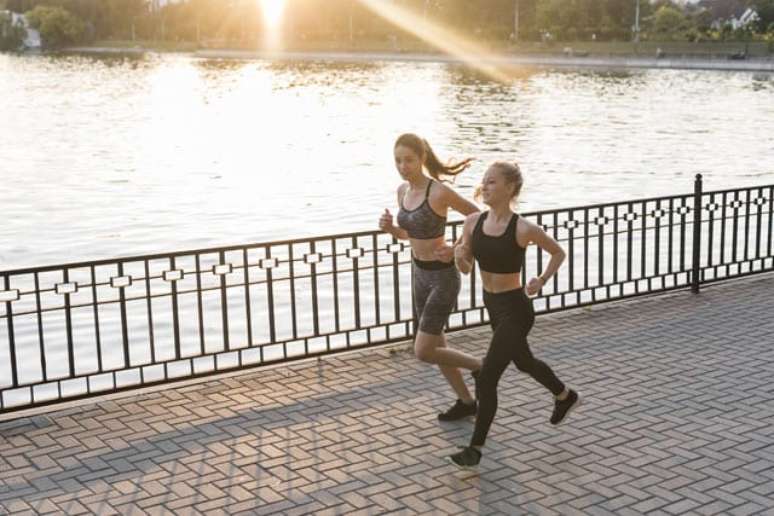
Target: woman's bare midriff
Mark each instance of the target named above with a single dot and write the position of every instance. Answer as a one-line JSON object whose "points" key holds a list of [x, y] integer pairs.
{"points": [[425, 249], [495, 283]]}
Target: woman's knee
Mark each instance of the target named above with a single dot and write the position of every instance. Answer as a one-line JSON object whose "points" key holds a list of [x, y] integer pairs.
{"points": [[525, 363], [486, 386], [424, 353], [425, 347], [488, 379]]}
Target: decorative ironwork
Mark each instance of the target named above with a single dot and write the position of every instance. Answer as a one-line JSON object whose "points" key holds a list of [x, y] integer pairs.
{"points": [[83, 329]]}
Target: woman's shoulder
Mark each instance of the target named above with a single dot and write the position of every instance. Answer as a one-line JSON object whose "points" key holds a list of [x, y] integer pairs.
{"points": [[524, 225], [443, 190], [441, 186], [524, 220], [472, 219]]}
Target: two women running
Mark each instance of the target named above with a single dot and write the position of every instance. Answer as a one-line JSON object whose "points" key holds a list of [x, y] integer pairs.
{"points": [[424, 202], [497, 239]]}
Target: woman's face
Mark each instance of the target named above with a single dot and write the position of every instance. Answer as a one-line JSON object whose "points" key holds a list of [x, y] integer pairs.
{"points": [[407, 162], [495, 190]]}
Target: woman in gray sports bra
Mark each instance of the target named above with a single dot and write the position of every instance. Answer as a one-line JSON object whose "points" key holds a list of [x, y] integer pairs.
{"points": [[423, 203]]}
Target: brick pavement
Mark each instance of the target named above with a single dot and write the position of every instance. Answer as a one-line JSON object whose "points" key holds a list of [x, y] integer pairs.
{"points": [[678, 419]]}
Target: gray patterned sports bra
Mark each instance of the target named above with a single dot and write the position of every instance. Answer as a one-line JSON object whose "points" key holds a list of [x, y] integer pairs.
{"points": [[422, 222]]}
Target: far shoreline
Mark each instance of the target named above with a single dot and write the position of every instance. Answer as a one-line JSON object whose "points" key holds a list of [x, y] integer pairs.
{"points": [[755, 64]]}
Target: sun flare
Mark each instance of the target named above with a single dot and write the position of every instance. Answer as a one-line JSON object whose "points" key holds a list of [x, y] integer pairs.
{"points": [[442, 38], [272, 12]]}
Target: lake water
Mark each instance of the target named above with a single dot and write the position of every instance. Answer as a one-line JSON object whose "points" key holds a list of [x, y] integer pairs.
{"points": [[107, 157]]}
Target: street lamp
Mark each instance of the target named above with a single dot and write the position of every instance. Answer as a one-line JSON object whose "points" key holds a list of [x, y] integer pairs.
{"points": [[351, 24], [637, 23]]}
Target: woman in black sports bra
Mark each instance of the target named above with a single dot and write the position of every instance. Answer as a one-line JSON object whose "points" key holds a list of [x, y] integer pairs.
{"points": [[497, 239], [423, 203]]}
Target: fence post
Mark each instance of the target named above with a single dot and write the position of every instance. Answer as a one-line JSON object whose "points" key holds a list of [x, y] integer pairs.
{"points": [[697, 190]]}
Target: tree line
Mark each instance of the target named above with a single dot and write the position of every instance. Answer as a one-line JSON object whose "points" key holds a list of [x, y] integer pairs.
{"points": [[239, 22]]}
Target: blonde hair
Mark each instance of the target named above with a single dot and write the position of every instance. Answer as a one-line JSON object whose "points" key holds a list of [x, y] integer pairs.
{"points": [[511, 173]]}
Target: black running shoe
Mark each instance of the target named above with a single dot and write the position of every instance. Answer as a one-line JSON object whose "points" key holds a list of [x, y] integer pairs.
{"points": [[564, 407], [458, 411], [467, 458]]}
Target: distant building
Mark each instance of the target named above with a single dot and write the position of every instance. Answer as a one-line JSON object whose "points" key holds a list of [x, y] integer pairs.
{"points": [[741, 18], [32, 39], [748, 17]]}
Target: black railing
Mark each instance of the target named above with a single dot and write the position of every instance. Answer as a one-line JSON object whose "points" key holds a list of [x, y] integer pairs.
{"points": [[83, 329]]}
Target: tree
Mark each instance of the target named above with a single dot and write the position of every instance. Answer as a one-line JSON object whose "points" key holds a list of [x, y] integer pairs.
{"points": [[669, 23], [554, 17], [621, 13], [702, 19], [57, 26], [765, 10], [11, 34], [339, 21]]}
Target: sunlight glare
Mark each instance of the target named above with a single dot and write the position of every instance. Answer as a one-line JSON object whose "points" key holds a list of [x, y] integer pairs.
{"points": [[444, 39], [272, 12]]}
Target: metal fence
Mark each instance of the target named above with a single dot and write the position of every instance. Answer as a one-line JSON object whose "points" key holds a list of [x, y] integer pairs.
{"points": [[85, 329]]}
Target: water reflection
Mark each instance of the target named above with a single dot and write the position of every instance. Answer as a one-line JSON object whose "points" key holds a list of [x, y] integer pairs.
{"points": [[462, 76], [156, 152]]}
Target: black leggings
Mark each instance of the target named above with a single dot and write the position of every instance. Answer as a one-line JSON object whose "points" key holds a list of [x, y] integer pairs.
{"points": [[511, 316]]}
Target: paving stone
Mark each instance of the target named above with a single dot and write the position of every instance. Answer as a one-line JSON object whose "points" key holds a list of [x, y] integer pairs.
{"points": [[675, 421]]}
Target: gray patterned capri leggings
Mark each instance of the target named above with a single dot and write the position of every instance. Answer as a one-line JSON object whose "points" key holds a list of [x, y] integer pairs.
{"points": [[436, 285]]}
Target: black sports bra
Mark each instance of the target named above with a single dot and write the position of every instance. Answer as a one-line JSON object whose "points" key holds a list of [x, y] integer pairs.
{"points": [[501, 254]]}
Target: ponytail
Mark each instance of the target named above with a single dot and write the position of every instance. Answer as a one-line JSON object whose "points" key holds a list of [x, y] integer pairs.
{"points": [[429, 160]]}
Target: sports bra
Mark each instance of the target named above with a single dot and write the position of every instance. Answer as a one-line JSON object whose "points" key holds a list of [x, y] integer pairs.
{"points": [[422, 222], [501, 254]]}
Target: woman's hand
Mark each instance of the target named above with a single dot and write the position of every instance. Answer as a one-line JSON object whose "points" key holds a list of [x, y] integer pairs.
{"points": [[385, 222], [534, 286], [463, 257], [461, 251]]}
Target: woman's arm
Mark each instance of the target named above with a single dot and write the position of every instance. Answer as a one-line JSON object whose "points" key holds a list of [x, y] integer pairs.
{"points": [[386, 224], [463, 252], [536, 235], [458, 203], [455, 201]]}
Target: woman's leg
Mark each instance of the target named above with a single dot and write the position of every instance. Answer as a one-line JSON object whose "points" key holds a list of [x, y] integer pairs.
{"points": [[435, 293], [523, 358], [498, 357], [526, 362], [433, 350], [499, 354], [565, 399], [512, 318]]}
